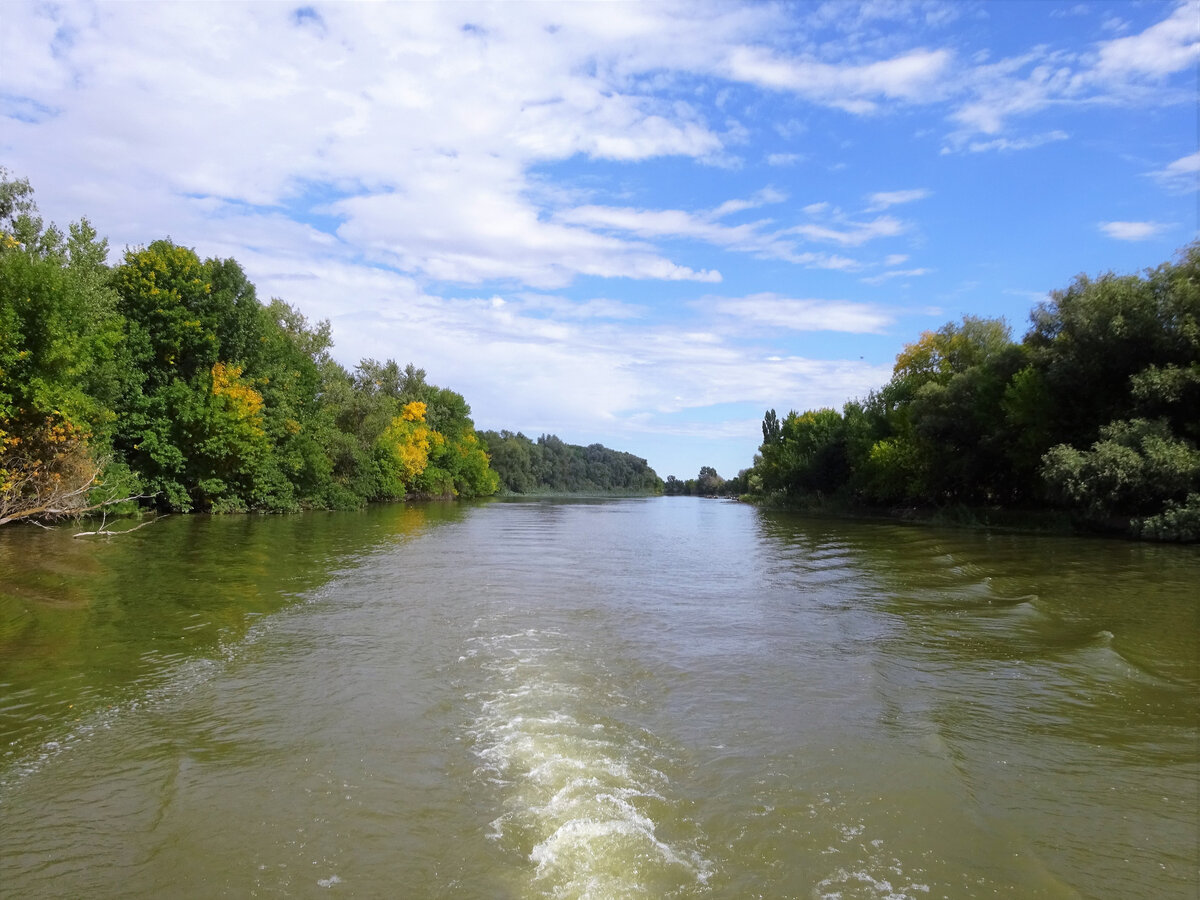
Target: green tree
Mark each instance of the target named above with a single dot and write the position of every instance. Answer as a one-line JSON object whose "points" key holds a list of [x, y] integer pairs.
{"points": [[61, 360], [1092, 340], [1136, 467], [190, 325], [708, 482]]}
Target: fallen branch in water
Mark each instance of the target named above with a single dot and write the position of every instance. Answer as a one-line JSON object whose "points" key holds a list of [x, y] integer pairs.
{"points": [[106, 532], [53, 475]]}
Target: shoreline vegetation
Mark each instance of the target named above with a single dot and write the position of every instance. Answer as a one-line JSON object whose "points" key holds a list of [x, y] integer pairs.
{"points": [[1089, 423], [163, 383]]}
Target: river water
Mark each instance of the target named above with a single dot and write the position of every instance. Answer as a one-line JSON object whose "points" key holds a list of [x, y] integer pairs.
{"points": [[613, 699]]}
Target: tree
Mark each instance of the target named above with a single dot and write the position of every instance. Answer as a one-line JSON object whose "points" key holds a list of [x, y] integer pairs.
{"points": [[167, 371], [195, 426], [708, 482], [1095, 338], [1137, 467], [550, 465], [402, 452], [60, 361], [806, 453]]}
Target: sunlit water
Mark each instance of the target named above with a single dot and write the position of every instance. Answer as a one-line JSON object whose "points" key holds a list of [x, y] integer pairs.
{"points": [[641, 698]]}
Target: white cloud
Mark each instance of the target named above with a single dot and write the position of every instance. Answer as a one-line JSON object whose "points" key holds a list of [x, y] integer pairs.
{"points": [[430, 128], [857, 89], [1114, 24], [1123, 71], [492, 234], [784, 159], [805, 314], [566, 308], [895, 273], [1002, 90], [1182, 175], [1005, 145], [761, 238], [1133, 231], [851, 234], [884, 199], [1169, 46]]}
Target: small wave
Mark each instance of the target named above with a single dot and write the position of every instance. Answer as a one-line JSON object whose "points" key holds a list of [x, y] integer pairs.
{"points": [[180, 676]]}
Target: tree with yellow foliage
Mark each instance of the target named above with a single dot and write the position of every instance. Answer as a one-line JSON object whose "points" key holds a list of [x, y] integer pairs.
{"points": [[402, 451]]}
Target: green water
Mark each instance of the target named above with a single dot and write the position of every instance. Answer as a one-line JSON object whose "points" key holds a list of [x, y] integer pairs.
{"points": [[637, 698]]}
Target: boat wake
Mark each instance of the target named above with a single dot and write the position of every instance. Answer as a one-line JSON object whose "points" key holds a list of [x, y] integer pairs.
{"points": [[584, 796]]}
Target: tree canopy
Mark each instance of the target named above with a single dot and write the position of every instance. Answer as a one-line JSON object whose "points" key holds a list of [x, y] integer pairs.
{"points": [[548, 465], [166, 375], [1096, 411]]}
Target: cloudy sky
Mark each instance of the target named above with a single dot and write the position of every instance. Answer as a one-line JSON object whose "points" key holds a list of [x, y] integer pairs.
{"points": [[637, 224]]}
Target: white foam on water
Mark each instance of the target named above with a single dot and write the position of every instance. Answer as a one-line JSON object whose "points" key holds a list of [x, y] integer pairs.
{"points": [[582, 793], [862, 865]]}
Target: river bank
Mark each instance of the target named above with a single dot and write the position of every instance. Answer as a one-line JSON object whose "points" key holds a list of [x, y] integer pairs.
{"points": [[973, 518]]}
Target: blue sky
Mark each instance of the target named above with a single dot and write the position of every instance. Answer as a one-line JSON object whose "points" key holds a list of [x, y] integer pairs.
{"points": [[634, 224]]}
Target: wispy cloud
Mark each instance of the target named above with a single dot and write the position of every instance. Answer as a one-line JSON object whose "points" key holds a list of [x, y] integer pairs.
{"points": [[1133, 231], [784, 159], [895, 273], [882, 200], [858, 89], [763, 237], [805, 314], [1007, 145], [1169, 46], [1126, 70], [851, 234], [1181, 175]]}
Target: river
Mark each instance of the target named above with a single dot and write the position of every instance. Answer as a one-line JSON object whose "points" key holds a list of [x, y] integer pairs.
{"points": [[653, 698]]}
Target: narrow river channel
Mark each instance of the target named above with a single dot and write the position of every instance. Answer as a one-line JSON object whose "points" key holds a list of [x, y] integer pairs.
{"points": [[608, 699]]}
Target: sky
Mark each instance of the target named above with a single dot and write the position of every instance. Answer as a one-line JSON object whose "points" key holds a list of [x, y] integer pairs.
{"points": [[640, 225]]}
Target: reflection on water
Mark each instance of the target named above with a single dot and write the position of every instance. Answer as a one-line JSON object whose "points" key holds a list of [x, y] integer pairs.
{"points": [[649, 698], [88, 624]]}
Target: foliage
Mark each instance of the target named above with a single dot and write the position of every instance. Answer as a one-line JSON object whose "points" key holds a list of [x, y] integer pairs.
{"points": [[1177, 521], [402, 451], [166, 374], [806, 453], [549, 465], [1136, 467], [708, 484], [1096, 411], [61, 360]]}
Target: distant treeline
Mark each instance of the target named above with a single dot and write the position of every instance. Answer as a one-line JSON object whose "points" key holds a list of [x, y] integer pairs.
{"points": [[707, 484], [550, 466], [164, 377], [1095, 411]]}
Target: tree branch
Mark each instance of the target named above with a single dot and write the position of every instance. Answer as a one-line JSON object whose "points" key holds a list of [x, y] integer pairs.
{"points": [[107, 532]]}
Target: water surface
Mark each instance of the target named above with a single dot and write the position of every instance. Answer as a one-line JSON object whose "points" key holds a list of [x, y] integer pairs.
{"points": [[639, 698]]}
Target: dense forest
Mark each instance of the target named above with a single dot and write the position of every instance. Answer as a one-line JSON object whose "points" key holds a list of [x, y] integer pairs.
{"points": [[164, 379], [549, 466], [1095, 412]]}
